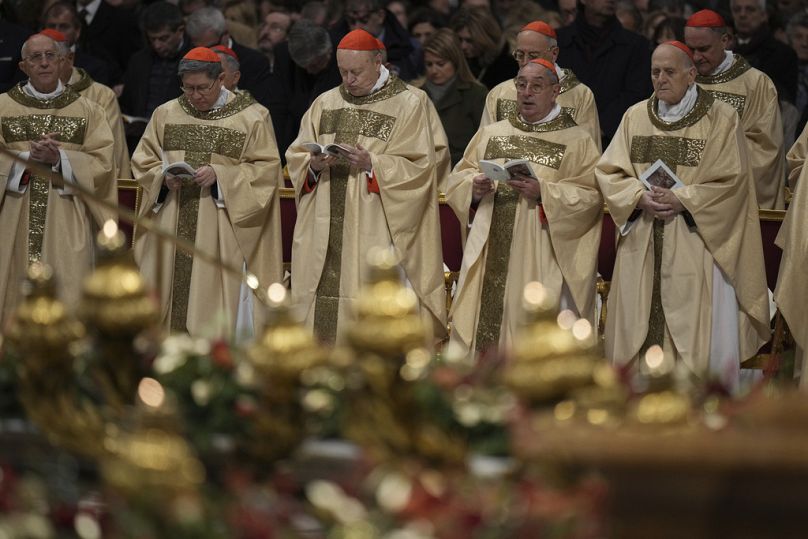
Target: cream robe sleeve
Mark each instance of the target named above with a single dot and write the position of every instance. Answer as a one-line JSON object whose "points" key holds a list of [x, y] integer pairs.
{"points": [[574, 208], [147, 161], [763, 127], [490, 110], [586, 115], [298, 157], [459, 184], [109, 102], [796, 157]]}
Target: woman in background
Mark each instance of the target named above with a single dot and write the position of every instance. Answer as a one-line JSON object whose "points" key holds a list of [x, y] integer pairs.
{"points": [[457, 95], [483, 45]]}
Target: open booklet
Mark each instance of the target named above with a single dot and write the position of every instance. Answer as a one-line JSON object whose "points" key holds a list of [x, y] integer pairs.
{"points": [[331, 149], [181, 170], [507, 171], [659, 175]]}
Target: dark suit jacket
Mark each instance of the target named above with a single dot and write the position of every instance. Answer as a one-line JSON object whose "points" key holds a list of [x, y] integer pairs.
{"points": [[107, 73], [460, 110], [11, 39], [113, 34], [502, 68], [618, 71], [255, 73], [777, 60]]}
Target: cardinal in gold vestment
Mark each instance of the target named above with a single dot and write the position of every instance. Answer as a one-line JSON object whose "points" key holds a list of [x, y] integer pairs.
{"points": [[538, 40], [380, 192], [728, 77], [229, 208], [791, 293], [689, 273], [43, 217], [524, 230]]}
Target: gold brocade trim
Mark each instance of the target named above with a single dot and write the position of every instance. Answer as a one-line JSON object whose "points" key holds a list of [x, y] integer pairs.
{"points": [[535, 150], [507, 109], [393, 87], [656, 317], [61, 101], [672, 150], [354, 122], [739, 67], [39, 189], [562, 121], [703, 103], [31, 127], [242, 100], [183, 261], [203, 140], [84, 82], [569, 81], [500, 237], [736, 101]]}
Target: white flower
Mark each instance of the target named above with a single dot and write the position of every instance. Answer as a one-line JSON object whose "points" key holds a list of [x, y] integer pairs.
{"points": [[200, 391]]}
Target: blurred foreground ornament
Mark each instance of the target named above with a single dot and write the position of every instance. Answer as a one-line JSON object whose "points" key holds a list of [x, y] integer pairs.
{"points": [[117, 309], [280, 356], [45, 339], [389, 339]]}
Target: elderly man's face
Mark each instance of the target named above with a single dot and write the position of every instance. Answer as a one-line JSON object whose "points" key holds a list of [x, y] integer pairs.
{"points": [[359, 70], [42, 63], [64, 23], [532, 45], [749, 16], [670, 74], [799, 41], [201, 90], [536, 92], [708, 48]]}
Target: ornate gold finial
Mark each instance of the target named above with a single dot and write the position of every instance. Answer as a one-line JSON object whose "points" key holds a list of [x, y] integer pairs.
{"points": [[116, 307], [280, 357], [552, 353]]}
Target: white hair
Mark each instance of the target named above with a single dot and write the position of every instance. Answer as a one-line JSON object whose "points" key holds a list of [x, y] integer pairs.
{"points": [[207, 18], [61, 47]]}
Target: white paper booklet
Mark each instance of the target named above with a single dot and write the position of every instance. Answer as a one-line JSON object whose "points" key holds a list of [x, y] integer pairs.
{"points": [[659, 175], [181, 170], [495, 171], [331, 149]]}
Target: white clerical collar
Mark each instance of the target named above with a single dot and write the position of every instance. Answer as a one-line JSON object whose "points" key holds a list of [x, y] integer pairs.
{"points": [[384, 74], [91, 9], [30, 90], [552, 115], [725, 64], [224, 97], [674, 113], [560, 73]]}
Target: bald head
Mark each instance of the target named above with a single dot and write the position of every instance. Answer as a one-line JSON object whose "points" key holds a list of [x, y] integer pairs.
{"points": [[42, 60], [672, 73]]}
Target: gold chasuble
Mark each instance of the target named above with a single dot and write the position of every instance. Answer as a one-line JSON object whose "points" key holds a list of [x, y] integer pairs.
{"points": [[41, 221], [242, 226], [753, 96], [576, 99], [513, 240], [340, 219], [791, 293], [96, 92], [668, 275]]}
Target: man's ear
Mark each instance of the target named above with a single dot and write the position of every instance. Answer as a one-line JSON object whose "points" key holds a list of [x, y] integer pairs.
{"points": [[236, 77]]}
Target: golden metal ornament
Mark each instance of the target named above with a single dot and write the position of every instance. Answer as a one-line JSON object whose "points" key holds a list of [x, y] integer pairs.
{"points": [[116, 307]]}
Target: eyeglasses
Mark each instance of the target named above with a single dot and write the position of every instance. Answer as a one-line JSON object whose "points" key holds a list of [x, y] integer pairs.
{"points": [[520, 55], [188, 90], [37, 57], [534, 88]]}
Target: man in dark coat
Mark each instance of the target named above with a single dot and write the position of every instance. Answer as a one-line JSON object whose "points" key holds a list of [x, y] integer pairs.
{"points": [[613, 62], [110, 31], [11, 39]]}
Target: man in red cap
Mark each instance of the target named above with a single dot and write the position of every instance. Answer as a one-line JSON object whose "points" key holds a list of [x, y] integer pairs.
{"points": [[538, 40], [225, 201], [543, 224], [689, 283], [80, 81], [729, 78], [41, 215], [230, 66], [380, 192]]}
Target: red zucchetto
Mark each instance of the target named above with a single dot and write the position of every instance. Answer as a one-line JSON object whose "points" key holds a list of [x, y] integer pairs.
{"points": [[359, 40], [202, 54], [55, 35], [540, 27], [682, 47], [225, 50], [706, 18], [544, 63]]}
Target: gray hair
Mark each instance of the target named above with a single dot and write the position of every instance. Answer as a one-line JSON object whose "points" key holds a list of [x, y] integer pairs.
{"points": [[206, 18], [308, 41], [231, 62], [211, 69], [798, 20]]}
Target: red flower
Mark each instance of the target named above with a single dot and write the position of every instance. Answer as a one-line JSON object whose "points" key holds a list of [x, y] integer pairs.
{"points": [[220, 352]]}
